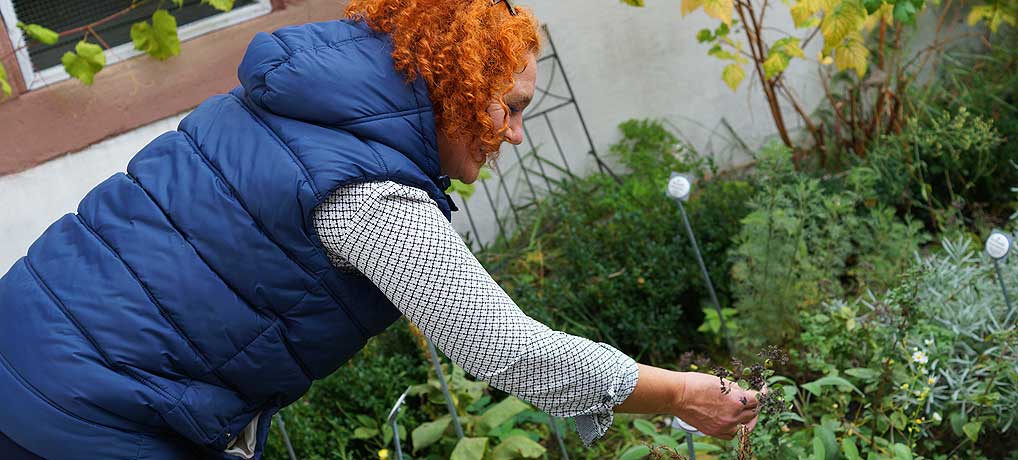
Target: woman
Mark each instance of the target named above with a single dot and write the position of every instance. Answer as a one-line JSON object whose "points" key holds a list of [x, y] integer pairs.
{"points": [[258, 247]]}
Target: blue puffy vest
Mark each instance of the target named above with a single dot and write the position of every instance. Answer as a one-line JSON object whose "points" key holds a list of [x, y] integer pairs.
{"points": [[191, 294]]}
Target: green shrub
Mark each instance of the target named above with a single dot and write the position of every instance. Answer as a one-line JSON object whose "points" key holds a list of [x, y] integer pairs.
{"points": [[343, 415], [609, 260], [807, 240], [948, 169]]}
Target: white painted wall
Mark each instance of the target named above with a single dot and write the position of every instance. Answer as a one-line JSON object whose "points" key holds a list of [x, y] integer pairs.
{"points": [[34, 199], [623, 62]]}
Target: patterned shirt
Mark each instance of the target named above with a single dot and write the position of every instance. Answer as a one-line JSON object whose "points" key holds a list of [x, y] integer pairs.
{"points": [[399, 239]]}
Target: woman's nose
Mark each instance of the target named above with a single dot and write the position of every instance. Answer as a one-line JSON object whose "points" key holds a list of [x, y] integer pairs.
{"points": [[514, 135]]}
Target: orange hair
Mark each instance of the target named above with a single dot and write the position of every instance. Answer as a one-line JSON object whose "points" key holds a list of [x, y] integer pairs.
{"points": [[467, 52]]}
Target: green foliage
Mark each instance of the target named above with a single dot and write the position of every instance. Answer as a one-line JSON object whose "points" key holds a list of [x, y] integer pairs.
{"points": [[343, 416], [4, 86], [40, 33], [84, 62], [159, 39], [938, 347], [610, 260], [944, 168], [221, 5], [807, 240], [509, 429]]}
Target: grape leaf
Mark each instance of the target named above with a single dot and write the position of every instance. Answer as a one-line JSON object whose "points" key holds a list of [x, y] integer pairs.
{"points": [[4, 86], [845, 19], [159, 40], [689, 6], [733, 75], [39, 33], [84, 62], [775, 64], [852, 54], [719, 9], [221, 5]]}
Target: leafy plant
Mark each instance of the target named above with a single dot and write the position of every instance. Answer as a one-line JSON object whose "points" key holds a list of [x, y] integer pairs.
{"points": [[857, 36], [610, 261], [807, 240], [492, 430], [944, 168], [158, 39]]}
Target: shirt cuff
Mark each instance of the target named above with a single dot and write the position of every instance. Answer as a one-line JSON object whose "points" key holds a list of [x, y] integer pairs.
{"points": [[592, 425]]}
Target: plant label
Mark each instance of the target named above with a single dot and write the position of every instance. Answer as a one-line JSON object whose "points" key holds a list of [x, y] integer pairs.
{"points": [[998, 245], [679, 186]]}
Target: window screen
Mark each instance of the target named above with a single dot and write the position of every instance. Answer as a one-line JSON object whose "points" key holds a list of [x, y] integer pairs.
{"points": [[60, 15]]}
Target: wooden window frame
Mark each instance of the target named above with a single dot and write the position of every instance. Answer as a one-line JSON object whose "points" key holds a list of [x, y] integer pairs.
{"points": [[63, 117]]}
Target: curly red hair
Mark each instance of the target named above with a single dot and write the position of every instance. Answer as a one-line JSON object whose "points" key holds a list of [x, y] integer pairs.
{"points": [[467, 52]]}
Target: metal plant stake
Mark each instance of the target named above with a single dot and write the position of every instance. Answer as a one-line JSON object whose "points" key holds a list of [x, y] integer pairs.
{"points": [[998, 245], [445, 390], [558, 436], [286, 437], [679, 424], [679, 187], [393, 414]]}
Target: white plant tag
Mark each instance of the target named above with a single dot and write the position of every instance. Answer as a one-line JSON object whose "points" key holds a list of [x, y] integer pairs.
{"points": [[998, 245], [679, 186]]}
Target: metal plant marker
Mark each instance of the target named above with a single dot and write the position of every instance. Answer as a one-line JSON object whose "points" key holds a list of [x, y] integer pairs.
{"points": [[445, 390], [558, 436], [998, 245], [286, 437], [679, 187], [679, 424], [393, 414]]}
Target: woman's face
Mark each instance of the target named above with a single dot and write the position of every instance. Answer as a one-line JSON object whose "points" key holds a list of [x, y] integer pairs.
{"points": [[463, 158]]}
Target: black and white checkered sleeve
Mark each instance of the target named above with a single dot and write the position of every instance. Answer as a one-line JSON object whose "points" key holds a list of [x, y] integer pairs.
{"points": [[396, 236]]}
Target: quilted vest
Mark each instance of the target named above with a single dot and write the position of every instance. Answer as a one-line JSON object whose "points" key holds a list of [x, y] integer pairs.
{"points": [[190, 294]]}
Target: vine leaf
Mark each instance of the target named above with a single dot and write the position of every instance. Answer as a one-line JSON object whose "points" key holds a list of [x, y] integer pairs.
{"points": [[40, 33], [843, 20], [852, 54], [160, 39], [780, 54], [4, 86], [720, 9], [221, 5], [689, 6], [84, 62], [733, 75]]}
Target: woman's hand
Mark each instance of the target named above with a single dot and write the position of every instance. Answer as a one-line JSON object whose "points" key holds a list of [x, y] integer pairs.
{"points": [[702, 404], [695, 398]]}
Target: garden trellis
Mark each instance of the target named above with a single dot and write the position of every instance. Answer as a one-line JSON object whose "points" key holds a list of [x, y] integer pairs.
{"points": [[522, 176]]}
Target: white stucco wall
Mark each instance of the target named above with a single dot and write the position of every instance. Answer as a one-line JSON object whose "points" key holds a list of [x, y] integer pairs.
{"points": [[623, 62]]}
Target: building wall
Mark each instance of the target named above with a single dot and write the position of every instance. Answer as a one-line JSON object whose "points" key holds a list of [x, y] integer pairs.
{"points": [[622, 62]]}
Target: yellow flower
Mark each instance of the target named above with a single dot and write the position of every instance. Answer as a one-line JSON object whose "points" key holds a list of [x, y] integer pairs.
{"points": [[904, 386], [383, 454], [931, 381]]}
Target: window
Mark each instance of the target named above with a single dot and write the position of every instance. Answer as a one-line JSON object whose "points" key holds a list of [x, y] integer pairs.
{"points": [[40, 63]]}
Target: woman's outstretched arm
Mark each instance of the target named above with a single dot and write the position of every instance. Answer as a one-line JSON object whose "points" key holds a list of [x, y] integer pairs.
{"points": [[395, 235]]}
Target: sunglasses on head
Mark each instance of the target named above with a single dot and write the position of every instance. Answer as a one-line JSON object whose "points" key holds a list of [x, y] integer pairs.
{"points": [[508, 5]]}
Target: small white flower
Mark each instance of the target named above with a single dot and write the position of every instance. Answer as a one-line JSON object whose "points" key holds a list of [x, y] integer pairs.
{"points": [[920, 357], [928, 342], [937, 417]]}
